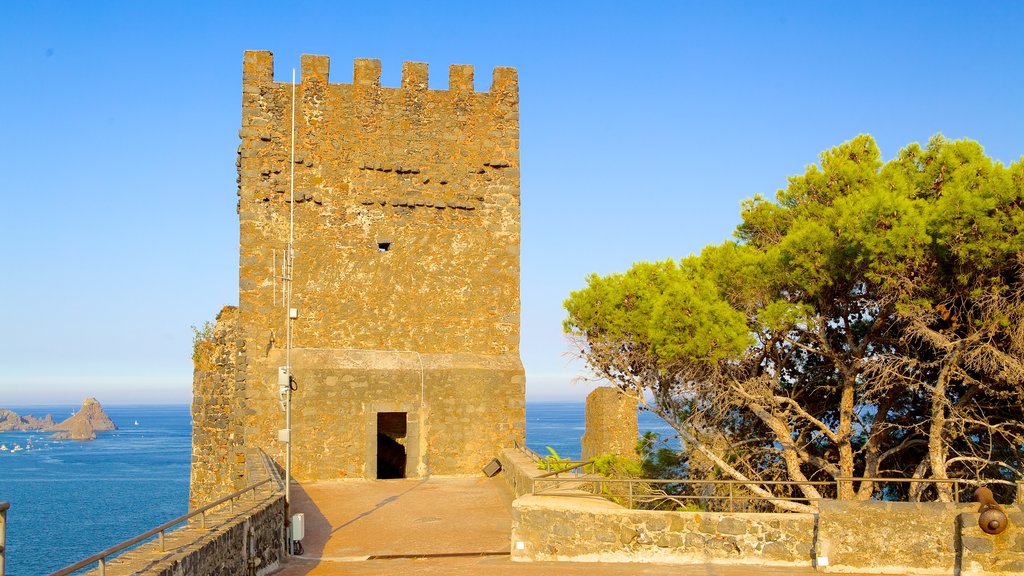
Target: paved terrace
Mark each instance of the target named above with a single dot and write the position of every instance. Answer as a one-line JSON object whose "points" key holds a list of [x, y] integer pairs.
{"points": [[457, 526]]}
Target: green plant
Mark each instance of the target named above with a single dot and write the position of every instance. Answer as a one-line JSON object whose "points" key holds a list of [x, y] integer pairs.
{"points": [[615, 466], [202, 345], [553, 461]]}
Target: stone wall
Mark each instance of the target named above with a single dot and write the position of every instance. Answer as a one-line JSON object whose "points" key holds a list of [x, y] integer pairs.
{"points": [[406, 215], [894, 537], [518, 471], [982, 554], [252, 544], [611, 424], [844, 537], [458, 410], [590, 529], [218, 458], [916, 538]]}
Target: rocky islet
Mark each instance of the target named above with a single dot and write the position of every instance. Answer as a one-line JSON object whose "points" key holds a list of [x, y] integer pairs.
{"points": [[82, 425]]}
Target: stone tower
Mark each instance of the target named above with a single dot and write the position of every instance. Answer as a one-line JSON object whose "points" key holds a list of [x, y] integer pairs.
{"points": [[405, 275]]}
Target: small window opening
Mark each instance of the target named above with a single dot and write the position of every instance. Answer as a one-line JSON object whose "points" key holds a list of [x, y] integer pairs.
{"points": [[383, 246]]}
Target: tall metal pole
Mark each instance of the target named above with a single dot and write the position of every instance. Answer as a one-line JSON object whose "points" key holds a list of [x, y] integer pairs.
{"points": [[288, 313]]}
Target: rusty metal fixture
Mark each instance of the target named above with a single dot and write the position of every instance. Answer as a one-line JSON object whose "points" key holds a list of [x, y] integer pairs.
{"points": [[993, 518]]}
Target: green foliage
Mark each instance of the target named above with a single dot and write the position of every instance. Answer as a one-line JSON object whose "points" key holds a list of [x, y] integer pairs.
{"points": [[615, 466], [554, 462], [202, 342], [666, 310], [873, 309]]}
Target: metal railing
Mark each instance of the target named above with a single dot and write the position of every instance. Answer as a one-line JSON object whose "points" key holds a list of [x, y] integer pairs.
{"points": [[655, 492], [956, 483], [524, 449], [4, 507], [102, 557], [574, 479], [576, 467]]}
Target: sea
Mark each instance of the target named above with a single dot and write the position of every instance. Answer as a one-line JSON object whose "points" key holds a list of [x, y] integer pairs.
{"points": [[70, 500]]}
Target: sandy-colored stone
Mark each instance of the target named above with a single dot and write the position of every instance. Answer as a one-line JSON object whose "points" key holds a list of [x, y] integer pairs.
{"points": [[611, 424], [404, 275]]}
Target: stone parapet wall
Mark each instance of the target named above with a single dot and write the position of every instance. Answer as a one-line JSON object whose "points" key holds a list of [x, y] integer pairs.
{"points": [[916, 538], [982, 554], [894, 537], [590, 529], [519, 471], [248, 542], [844, 537]]}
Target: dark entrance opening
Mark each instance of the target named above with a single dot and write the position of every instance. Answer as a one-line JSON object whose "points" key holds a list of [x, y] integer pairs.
{"points": [[391, 456]]}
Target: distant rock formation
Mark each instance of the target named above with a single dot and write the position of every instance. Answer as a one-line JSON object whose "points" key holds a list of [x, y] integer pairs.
{"points": [[11, 422], [83, 425], [89, 419]]}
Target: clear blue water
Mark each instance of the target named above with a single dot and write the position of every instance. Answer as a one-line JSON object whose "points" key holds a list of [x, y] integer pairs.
{"points": [[70, 499], [560, 425]]}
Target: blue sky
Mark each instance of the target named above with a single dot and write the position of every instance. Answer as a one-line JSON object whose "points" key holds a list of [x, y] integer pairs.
{"points": [[643, 126]]}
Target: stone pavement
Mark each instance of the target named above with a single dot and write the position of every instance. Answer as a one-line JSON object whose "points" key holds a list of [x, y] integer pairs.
{"points": [[457, 526]]}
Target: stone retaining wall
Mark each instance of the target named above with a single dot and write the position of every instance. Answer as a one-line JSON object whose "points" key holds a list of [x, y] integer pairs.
{"points": [[591, 529], [888, 537], [518, 471], [862, 537], [916, 538], [983, 554]]}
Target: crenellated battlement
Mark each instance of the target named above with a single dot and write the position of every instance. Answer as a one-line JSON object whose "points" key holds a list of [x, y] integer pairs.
{"points": [[434, 171], [259, 69]]}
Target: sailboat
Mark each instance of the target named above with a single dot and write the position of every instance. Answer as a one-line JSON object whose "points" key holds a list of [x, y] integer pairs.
{"points": [[136, 422]]}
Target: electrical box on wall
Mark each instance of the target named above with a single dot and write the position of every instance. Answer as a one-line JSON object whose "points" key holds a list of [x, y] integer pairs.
{"points": [[284, 385]]}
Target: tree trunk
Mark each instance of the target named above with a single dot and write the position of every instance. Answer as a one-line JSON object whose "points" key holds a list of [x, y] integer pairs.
{"points": [[936, 444], [845, 437]]}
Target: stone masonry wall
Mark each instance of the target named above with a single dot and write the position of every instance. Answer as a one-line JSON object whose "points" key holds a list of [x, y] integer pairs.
{"points": [[405, 270], [915, 538], [984, 554], [844, 537], [582, 529], [611, 424], [432, 173], [218, 460], [896, 537], [460, 409], [518, 471]]}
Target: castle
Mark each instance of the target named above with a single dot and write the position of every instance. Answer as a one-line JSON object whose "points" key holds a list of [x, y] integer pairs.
{"points": [[401, 287]]}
